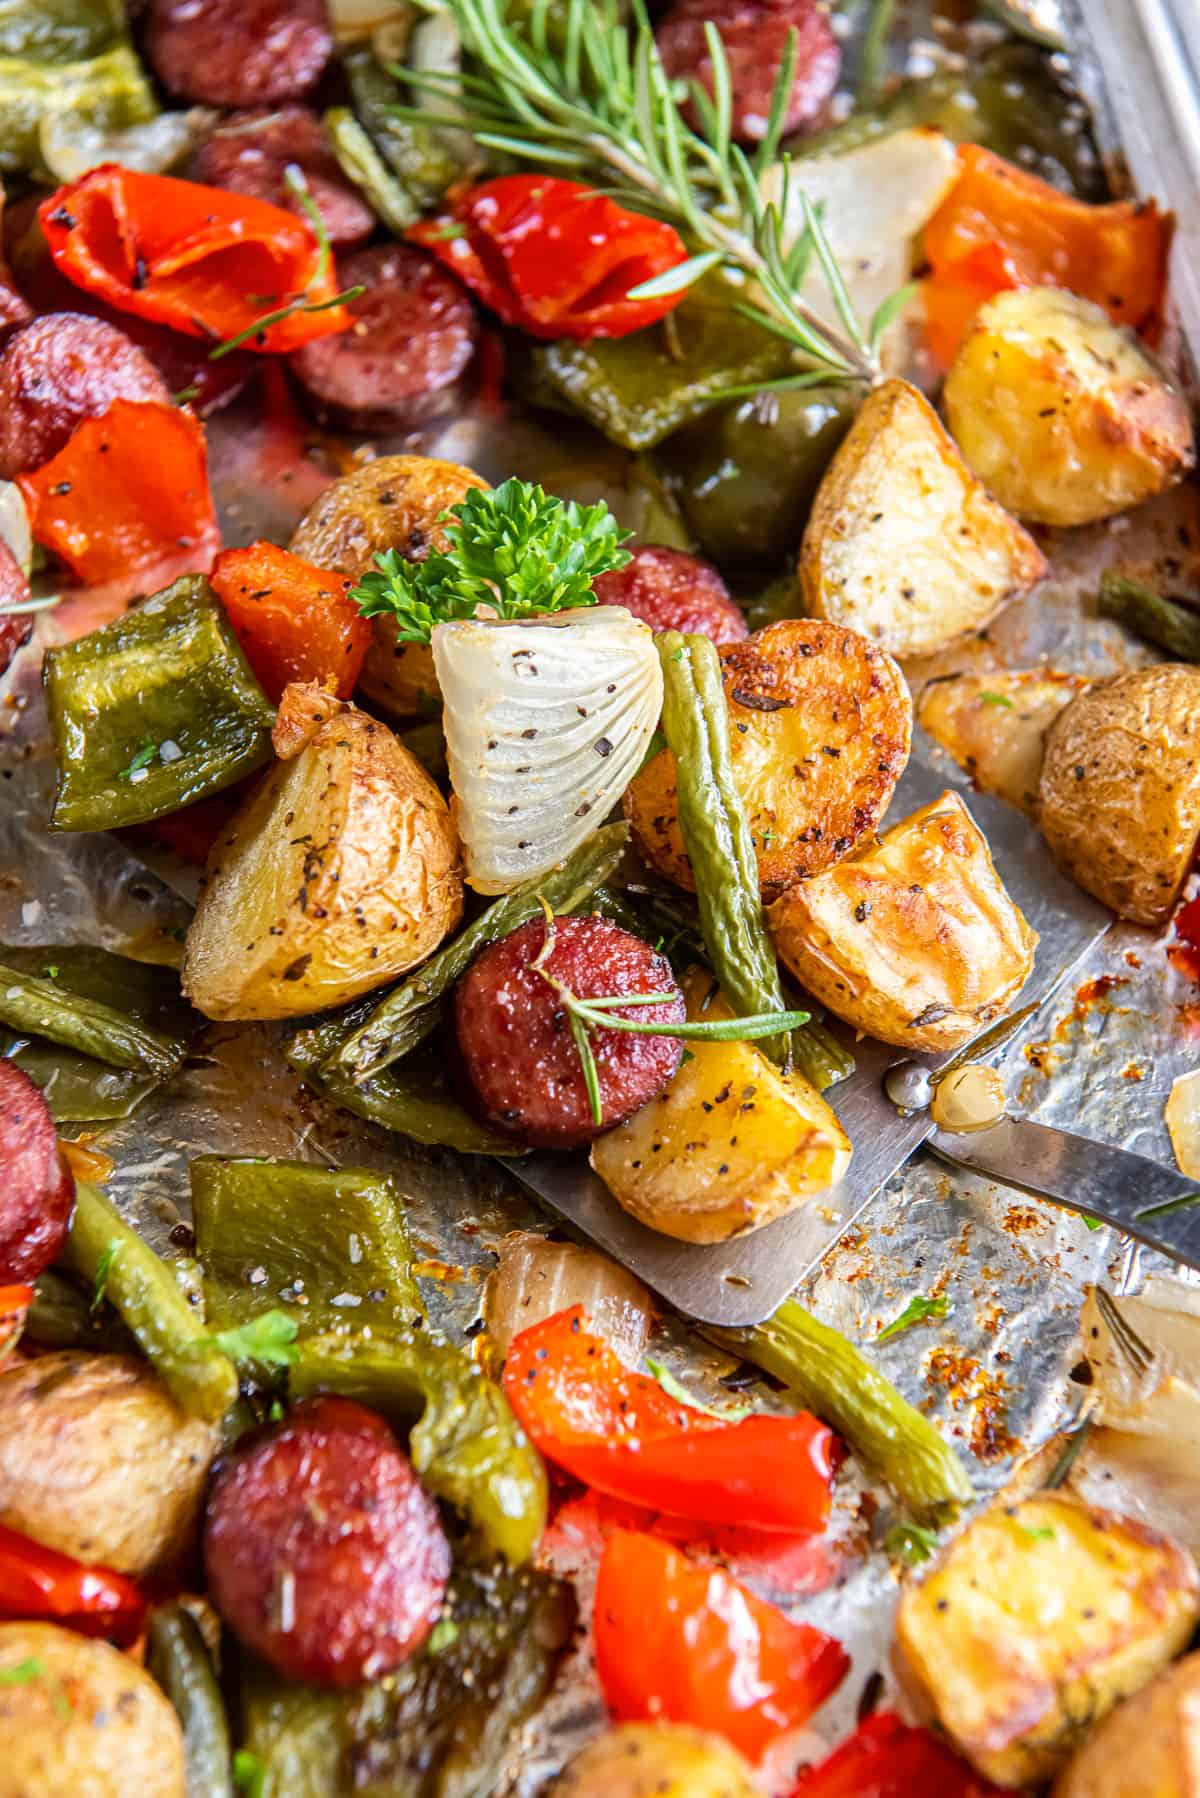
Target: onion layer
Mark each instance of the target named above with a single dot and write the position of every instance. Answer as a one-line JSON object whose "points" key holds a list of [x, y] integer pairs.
{"points": [[536, 1278]]}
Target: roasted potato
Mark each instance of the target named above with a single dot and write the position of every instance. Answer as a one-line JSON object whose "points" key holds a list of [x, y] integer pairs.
{"points": [[394, 502], [914, 940], [903, 543], [98, 1461], [820, 723], [729, 1145], [1149, 1747], [657, 1760], [341, 870], [994, 725], [78, 1719], [1062, 414], [1119, 797], [1034, 1622]]}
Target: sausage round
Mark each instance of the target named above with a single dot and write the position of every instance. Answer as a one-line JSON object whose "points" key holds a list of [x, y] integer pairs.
{"points": [[755, 36], [516, 1040], [323, 1551], [404, 358], [672, 591], [58, 371], [248, 153], [37, 1188], [14, 591], [239, 52]]}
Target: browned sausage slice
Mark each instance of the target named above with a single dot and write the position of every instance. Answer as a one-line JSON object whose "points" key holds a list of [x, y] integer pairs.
{"points": [[324, 1552], [37, 1188], [755, 36], [239, 52], [58, 371], [403, 360], [672, 591], [248, 153], [516, 1041]]}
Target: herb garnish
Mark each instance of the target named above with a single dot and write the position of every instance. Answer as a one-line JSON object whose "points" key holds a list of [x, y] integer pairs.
{"points": [[249, 1773], [917, 1311], [22, 1673], [911, 1543], [268, 1339], [142, 759], [103, 1268], [1000, 699], [513, 549], [673, 1389]]}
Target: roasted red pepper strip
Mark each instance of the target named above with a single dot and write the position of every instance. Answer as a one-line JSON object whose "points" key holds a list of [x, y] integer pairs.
{"points": [[39, 1583], [884, 1758], [126, 492], [621, 1433], [553, 257], [206, 262], [689, 1644], [295, 622], [14, 1304]]}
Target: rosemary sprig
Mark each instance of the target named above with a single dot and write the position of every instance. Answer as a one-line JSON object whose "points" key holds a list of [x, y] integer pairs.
{"points": [[597, 102]]}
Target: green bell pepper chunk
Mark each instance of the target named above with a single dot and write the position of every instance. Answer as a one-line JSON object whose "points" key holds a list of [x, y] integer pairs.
{"points": [[58, 31], [326, 1245], [463, 1439], [417, 155], [109, 91], [153, 711], [362, 164]]}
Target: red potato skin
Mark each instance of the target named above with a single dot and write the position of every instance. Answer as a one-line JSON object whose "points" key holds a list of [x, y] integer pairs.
{"points": [[403, 360], [14, 591], [672, 591], [248, 153], [37, 1188], [238, 52], [755, 36], [516, 1042], [58, 371], [323, 1551]]}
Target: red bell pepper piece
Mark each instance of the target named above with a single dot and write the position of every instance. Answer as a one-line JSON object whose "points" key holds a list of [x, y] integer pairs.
{"points": [[884, 1758], [14, 1304], [621, 1433], [39, 1583], [689, 1644], [295, 622], [202, 260], [125, 492], [553, 257]]}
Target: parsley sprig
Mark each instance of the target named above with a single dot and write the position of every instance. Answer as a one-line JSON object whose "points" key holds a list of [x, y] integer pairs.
{"points": [[513, 549], [917, 1311]]}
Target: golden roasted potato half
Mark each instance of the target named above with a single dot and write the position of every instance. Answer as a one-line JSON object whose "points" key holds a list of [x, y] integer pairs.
{"points": [[99, 1462], [657, 1760], [915, 940], [1062, 414], [903, 543], [340, 871], [1119, 798], [1149, 1747], [731, 1144], [394, 502], [994, 725], [78, 1719], [1034, 1622], [820, 723]]}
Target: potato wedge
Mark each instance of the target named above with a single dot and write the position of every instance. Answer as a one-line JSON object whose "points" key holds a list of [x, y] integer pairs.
{"points": [[729, 1145], [1149, 1747], [820, 723], [394, 502], [903, 543], [340, 871], [914, 941], [657, 1760], [1062, 414], [1034, 1622], [1119, 797], [994, 725]]}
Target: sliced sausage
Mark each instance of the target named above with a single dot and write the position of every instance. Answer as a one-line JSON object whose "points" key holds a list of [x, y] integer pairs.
{"points": [[37, 1188], [403, 360], [14, 591], [755, 36], [323, 1550], [672, 591], [515, 1035], [248, 153], [239, 52], [58, 371]]}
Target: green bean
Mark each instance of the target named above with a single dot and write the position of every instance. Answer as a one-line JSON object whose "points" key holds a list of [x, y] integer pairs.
{"points": [[40, 1007], [177, 1655], [414, 1100], [832, 1379], [362, 164], [103, 1250], [1164, 622], [712, 820]]}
